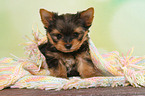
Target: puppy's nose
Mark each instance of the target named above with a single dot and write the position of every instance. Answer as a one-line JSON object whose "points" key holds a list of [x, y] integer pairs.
{"points": [[68, 46]]}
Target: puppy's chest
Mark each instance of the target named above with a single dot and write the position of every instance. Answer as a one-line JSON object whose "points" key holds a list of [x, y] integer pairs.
{"points": [[69, 61]]}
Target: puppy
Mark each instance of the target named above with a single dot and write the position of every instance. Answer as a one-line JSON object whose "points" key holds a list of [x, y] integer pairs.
{"points": [[67, 49]]}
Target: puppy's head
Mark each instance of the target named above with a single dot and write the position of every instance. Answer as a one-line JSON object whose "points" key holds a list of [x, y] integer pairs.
{"points": [[67, 32]]}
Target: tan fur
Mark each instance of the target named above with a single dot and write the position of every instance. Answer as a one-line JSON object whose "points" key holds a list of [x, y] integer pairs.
{"points": [[79, 29], [86, 69], [50, 38], [88, 16], [45, 15], [60, 71]]}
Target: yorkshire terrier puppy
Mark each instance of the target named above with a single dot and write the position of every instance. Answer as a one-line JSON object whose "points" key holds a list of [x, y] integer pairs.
{"points": [[67, 49]]}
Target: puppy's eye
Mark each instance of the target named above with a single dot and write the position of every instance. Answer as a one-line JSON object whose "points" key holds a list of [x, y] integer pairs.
{"points": [[75, 34], [59, 36]]}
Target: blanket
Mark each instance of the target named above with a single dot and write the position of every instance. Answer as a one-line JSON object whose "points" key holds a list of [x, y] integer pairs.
{"points": [[32, 72]]}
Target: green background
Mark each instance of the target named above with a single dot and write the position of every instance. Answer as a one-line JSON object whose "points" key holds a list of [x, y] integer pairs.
{"points": [[118, 24]]}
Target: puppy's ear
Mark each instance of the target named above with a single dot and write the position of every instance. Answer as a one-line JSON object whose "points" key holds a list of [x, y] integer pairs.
{"points": [[46, 16], [88, 16]]}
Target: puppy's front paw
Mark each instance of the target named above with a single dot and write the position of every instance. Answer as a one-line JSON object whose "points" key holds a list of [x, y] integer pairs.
{"points": [[59, 71]]}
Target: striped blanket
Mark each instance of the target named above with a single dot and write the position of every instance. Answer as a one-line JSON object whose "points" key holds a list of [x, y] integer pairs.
{"points": [[32, 72]]}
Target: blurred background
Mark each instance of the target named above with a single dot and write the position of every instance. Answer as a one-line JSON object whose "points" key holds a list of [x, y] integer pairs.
{"points": [[118, 24]]}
